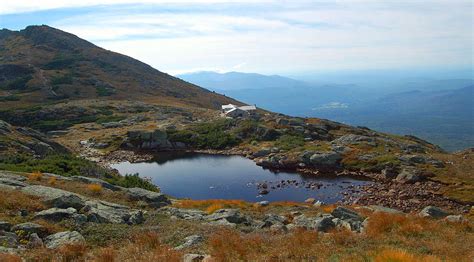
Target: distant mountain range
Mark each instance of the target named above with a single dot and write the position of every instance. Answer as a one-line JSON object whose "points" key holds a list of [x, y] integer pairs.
{"points": [[441, 111]]}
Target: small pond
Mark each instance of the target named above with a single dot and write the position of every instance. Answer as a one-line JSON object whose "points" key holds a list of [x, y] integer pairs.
{"points": [[203, 176]]}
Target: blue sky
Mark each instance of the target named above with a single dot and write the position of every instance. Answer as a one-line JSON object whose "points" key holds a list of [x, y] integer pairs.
{"points": [[271, 37]]}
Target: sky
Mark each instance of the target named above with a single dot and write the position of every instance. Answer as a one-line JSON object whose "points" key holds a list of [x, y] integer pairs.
{"points": [[270, 37]]}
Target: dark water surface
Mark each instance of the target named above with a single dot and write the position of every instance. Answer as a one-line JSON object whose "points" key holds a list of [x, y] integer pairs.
{"points": [[202, 176]]}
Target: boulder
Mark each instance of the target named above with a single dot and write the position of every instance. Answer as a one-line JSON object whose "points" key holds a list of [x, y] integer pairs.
{"points": [[455, 219], [346, 214], [409, 175], [50, 195], [12, 182], [383, 209], [8, 239], [154, 199], [231, 215], [261, 152], [196, 258], [106, 212], [5, 226], [29, 228], [272, 219], [330, 159], [67, 201], [352, 139], [433, 212], [303, 221], [64, 238], [187, 214], [34, 241], [190, 241], [389, 173], [323, 224], [263, 203], [310, 200], [56, 214]]}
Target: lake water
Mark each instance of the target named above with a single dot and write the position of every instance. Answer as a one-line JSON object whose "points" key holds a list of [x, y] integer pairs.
{"points": [[203, 176]]}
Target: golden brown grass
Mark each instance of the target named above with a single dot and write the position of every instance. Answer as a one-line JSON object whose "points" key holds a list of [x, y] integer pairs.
{"points": [[14, 200], [95, 188], [52, 181], [9, 258], [35, 176], [458, 174], [389, 237], [397, 255], [212, 205]]}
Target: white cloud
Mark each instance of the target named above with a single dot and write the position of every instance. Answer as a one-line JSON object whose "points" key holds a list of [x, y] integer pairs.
{"points": [[278, 37]]}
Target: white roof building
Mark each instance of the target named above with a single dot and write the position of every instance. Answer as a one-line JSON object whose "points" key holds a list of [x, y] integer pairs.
{"points": [[237, 111]]}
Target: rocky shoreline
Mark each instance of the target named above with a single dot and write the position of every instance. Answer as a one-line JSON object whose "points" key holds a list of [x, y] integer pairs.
{"points": [[384, 191]]}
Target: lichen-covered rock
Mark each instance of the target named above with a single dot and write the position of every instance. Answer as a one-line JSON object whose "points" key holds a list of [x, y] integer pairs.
{"points": [[49, 195], [352, 139], [409, 175], [327, 159], [29, 228], [64, 238], [323, 224], [231, 215], [433, 212], [346, 214], [56, 214], [106, 212], [8, 239], [154, 199]]}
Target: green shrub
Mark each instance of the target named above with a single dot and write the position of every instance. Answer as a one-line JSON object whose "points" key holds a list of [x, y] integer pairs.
{"points": [[133, 180], [64, 165], [104, 91], [212, 135], [288, 142], [61, 80], [62, 61], [18, 83]]}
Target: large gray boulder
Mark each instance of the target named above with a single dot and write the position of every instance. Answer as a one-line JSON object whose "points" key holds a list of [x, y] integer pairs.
{"points": [[433, 212], [64, 238], [325, 159], [409, 175], [106, 212], [349, 216], [29, 228], [154, 199], [12, 183], [323, 224], [55, 197], [56, 214], [346, 214], [230, 215]]}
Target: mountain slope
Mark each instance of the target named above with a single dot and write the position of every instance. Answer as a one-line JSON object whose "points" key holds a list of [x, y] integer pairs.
{"points": [[42, 64]]}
